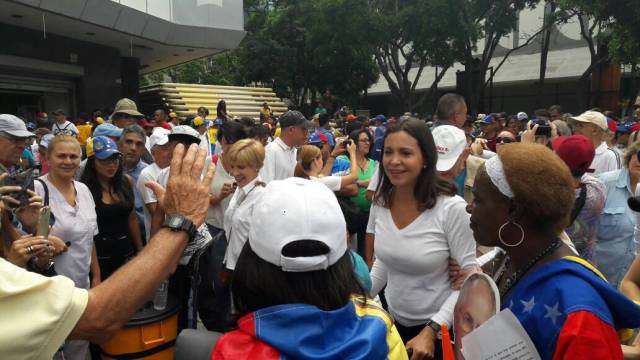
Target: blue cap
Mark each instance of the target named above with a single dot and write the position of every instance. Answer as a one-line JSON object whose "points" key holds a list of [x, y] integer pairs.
{"points": [[217, 122], [380, 118], [625, 128], [107, 129], [489, 119], [317, 138], [102, 147], [31, 126]]}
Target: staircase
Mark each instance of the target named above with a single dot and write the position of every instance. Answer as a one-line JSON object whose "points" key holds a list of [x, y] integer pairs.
{"points": [[185, 99]]}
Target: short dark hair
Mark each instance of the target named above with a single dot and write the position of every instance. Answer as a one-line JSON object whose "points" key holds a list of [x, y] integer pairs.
{"points": [[232, 131], [323, 119], [430, 184], [137, 129], [246, 121], [202, 108], [258, 131], [448, 105], [257, 284], [292, 118], [542, 113], [557, 108]]}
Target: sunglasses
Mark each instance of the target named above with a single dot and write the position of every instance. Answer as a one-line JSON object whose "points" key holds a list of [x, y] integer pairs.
{"points": [[505, 140]]}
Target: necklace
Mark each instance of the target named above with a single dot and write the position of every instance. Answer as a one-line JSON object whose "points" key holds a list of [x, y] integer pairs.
{"points": [[513, 279], [363, 164]]}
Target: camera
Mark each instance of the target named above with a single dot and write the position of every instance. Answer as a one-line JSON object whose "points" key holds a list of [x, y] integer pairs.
{"points": [[544, 127], [24, 180]]}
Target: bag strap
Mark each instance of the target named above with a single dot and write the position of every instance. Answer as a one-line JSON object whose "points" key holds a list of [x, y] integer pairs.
{"points": [[46, 191], [580, 201]]}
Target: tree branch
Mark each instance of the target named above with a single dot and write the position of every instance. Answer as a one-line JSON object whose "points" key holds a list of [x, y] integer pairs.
{"points": [[432, 88]]}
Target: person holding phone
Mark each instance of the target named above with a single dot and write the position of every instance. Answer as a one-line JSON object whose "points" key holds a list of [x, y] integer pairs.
{"points": [[74, 209], [33, 252]]}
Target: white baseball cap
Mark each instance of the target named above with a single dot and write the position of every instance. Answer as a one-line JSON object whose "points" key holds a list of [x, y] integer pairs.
{"points": [[522, 116], [159, 136], [593, 117], [14, 126], [186, 133], [297, 209], [450, 143]]}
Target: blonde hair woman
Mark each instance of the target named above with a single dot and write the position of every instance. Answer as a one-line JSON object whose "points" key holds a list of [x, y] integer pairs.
{"points": [[310, 165], [246, 158], [74, 210]]}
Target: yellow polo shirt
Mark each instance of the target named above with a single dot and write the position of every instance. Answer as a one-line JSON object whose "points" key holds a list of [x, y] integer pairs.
{"points": [[37, 313]]}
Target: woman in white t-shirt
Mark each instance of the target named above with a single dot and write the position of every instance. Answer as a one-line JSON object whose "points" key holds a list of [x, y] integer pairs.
{"points": [[75, 222], [417, 223], [310, 166]]}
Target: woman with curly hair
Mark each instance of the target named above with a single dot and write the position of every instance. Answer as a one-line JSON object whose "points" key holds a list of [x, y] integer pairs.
{"points": [[522, 201]]}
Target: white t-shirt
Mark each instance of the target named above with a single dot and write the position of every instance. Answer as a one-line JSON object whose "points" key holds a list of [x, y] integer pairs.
{"points": [[38, 313], [413, 262], [215, 214], [606, 159], [332, 182], [237, 220], [150, 173], [67, 128], [75, 224], [279, 161], [204, 143], [373, 182]]}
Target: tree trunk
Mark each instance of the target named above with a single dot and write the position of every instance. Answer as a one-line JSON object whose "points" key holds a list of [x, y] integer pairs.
{"points": [[544, 52]]}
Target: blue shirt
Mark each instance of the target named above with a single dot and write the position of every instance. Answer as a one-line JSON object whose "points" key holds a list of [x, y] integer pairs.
{"points": [[340, 167], [615, 245], [135, 174]]}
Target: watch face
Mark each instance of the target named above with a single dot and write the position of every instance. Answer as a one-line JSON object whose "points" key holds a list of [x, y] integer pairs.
{"points": [[175, 221]]}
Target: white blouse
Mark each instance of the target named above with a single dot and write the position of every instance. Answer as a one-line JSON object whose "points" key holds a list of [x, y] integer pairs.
{"points": [[237, 220], [413, 261]]}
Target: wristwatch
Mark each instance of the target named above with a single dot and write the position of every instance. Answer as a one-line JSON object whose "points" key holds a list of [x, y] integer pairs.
{"points": [[177, 222], [435, 326]]}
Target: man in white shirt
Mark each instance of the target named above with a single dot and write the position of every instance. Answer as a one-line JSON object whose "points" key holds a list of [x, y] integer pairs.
{"points": [[593, 125], [158, 142], [62, 126], [280, 155]]}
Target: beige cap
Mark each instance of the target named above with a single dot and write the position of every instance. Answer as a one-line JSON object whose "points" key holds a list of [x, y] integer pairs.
{"points": [[637, 101], [127, 106], [593, 117]]}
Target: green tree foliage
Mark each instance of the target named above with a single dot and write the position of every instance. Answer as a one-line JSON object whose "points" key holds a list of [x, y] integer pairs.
{"points": [[304, 47], [411, 35]]}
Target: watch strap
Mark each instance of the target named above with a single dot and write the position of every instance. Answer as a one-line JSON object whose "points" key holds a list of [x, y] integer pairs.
{"points": [[177, 222]]}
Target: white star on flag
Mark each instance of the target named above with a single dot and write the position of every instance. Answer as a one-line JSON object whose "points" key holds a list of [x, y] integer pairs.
{"points": [[528, 305], [552, 313]]}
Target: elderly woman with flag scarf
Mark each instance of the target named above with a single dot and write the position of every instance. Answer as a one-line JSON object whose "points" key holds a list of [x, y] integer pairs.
{"points": [[522, 201]]}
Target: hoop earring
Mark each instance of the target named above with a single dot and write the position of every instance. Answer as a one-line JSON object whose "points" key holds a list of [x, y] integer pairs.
{"points": [[502, 240]]}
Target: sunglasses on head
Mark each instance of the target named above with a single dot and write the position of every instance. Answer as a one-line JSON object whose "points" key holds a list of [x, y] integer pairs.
{"points": [[505, 140]]}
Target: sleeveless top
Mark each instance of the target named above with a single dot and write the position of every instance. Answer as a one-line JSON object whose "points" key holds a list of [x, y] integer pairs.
{"points": [[113, 239]]}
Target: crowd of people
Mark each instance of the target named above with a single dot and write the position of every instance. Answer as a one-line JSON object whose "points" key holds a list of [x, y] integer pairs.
{"points": [[337, 236]]}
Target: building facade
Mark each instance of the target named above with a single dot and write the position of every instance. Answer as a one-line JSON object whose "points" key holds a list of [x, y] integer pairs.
{"points": [[514, 85], [82, 55]]}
